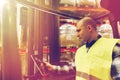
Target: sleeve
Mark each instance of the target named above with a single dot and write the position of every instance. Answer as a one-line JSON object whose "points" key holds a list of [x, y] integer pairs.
{"points": [[66, 68], [115, 67]]}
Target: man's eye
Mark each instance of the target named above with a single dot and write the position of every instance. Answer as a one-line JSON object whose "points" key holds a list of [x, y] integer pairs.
{"points": [[78, 30]]}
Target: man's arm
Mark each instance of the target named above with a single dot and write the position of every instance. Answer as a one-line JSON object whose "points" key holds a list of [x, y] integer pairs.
{"points": [[115, 68], [59, 69]]}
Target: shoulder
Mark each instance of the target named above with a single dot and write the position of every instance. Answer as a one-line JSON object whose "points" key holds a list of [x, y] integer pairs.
{"points": [[117, 46], [116, 49], [81, 48]]}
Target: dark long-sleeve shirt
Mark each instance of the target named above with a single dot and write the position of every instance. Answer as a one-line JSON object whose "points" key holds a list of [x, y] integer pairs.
{"points": [[115, 68]]}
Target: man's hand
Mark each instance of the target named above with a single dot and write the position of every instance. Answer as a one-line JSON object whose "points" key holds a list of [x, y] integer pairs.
{"points": [[49, 66]]}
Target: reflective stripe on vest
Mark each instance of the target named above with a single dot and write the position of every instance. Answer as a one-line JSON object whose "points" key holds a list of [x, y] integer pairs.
{"points": [[86, 76]]}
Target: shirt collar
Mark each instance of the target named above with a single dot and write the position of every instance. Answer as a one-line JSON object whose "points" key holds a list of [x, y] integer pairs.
{"points": [[88, 45]]}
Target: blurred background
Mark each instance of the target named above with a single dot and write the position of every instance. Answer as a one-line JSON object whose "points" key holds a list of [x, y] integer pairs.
{"points": [[47, 29]]}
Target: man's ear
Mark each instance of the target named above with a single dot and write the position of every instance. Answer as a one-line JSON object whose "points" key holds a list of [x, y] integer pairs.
{"points": [[89, 27]]}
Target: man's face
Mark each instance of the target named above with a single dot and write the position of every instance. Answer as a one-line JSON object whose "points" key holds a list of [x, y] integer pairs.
{"points": [[82, 33]]}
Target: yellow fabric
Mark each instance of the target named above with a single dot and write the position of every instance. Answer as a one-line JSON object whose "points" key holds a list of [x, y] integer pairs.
{"points": [[96, 62]]}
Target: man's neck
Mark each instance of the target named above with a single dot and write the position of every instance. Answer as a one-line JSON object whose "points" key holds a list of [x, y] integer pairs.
{"points": [[89, 44], [93, 37]]}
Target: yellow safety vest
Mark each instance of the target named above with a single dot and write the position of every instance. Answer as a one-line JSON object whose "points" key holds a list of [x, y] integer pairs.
{"points": [[96, 63]]}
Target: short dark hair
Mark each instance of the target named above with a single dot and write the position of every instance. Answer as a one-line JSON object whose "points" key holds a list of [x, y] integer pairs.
{"points": [[89, 21]]}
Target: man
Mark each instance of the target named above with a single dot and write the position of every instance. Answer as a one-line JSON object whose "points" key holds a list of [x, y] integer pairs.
{"points": [[98, 58]]}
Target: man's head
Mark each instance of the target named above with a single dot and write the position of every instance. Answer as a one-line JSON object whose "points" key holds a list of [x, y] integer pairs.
{"points": [[86, 29]]}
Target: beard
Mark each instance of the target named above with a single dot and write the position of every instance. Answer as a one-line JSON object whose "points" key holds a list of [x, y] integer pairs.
{"points": [[81, 42]]}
